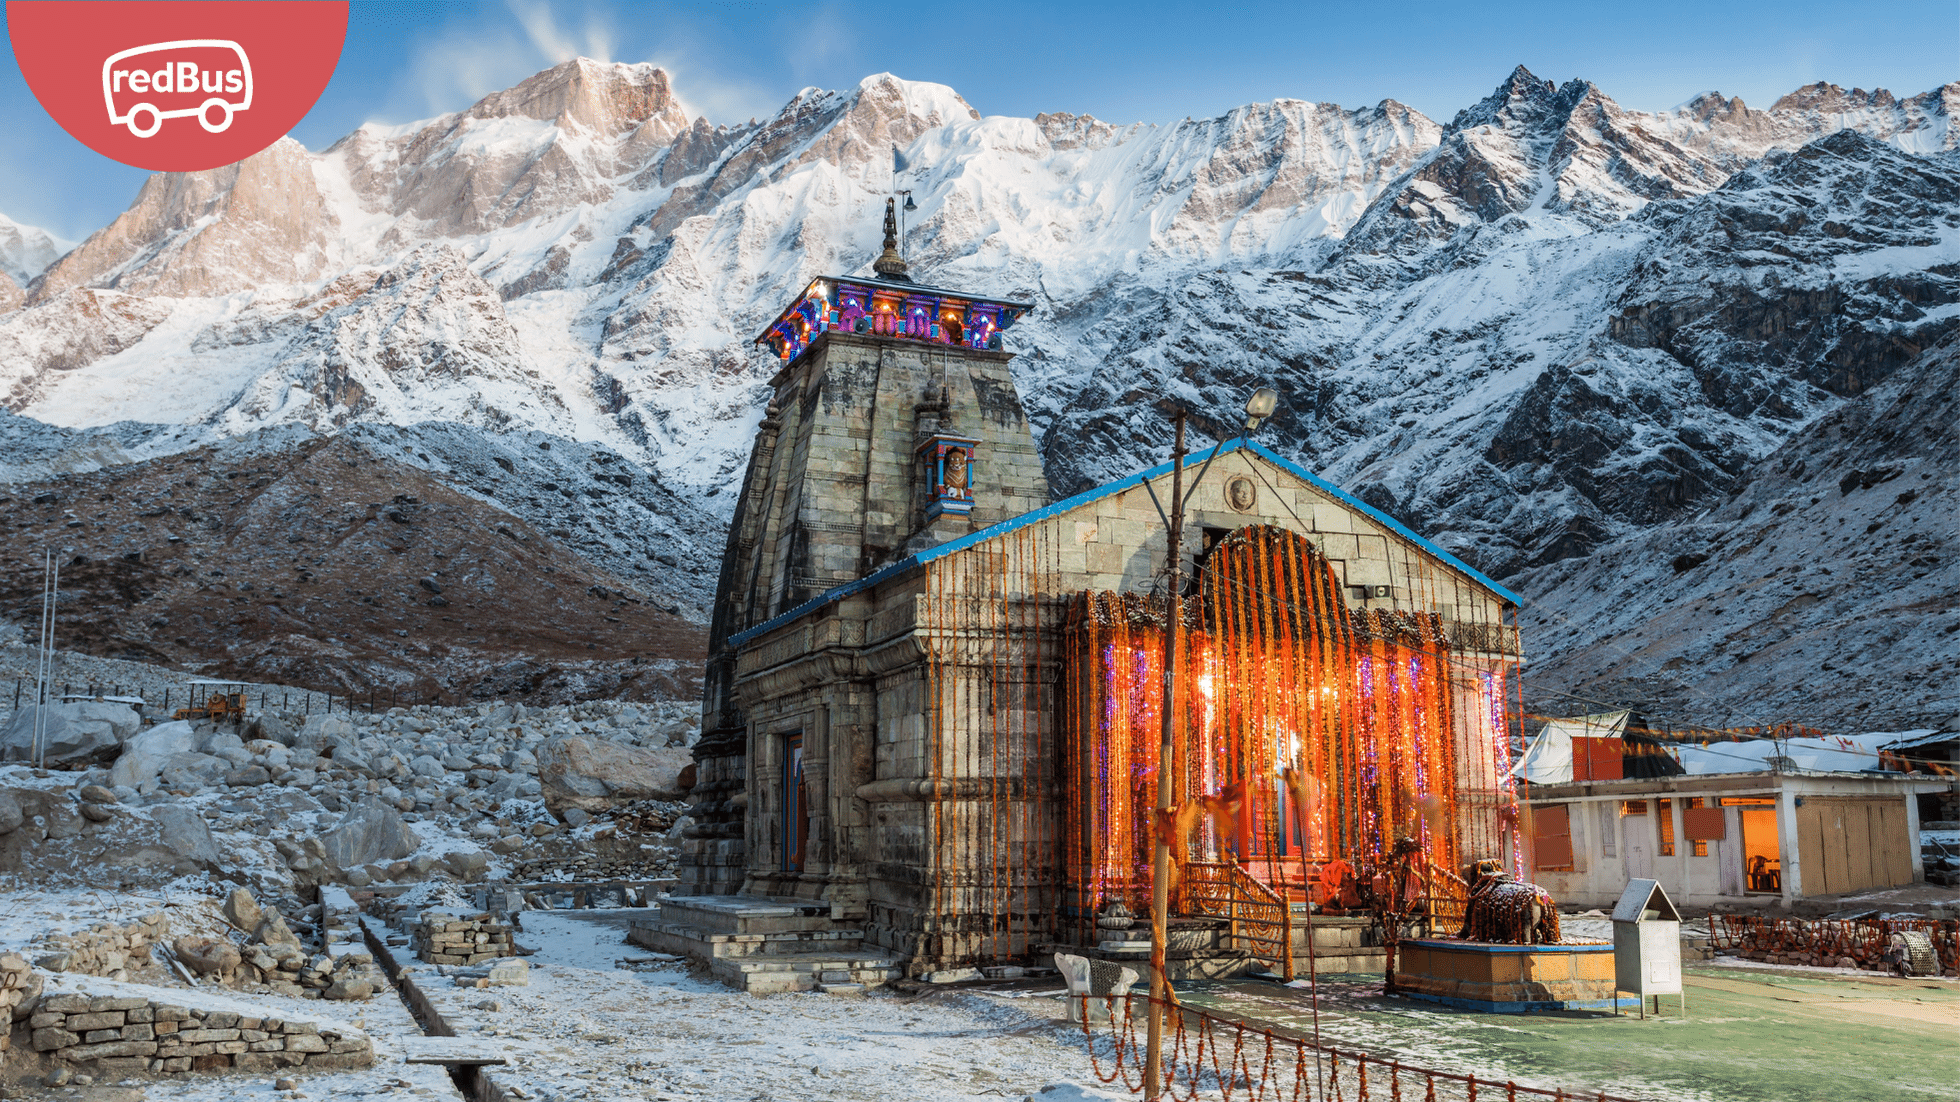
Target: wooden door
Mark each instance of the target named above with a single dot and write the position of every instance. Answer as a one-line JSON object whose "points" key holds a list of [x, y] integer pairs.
{"points": [[1850, 845], [1639, 841]]}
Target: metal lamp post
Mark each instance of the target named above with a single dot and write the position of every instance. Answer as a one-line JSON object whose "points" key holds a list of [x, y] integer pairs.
{"points": [[1257, 409]]}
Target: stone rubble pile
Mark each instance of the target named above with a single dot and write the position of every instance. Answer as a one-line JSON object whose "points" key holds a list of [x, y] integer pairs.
{"points": [[406, 785], [108, 949], [273, 960], [19, 985], [135, 1034], [446, 937]]}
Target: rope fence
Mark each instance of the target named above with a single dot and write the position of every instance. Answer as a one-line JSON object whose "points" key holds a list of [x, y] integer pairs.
{"points": [[1207, 1056]]}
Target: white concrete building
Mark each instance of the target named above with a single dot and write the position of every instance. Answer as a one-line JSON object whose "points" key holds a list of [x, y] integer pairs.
{"points": [[1715, 838]]}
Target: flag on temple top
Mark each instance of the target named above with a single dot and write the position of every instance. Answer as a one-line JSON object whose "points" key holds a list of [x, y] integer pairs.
{"points": [[899, 161]]}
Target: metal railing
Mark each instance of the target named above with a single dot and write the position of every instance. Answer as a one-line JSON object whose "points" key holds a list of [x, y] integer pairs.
{"points": [[1449, 900], [1257, 918]]}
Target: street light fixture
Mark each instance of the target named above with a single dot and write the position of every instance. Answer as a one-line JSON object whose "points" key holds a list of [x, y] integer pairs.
{"points": [[1260, 406]]}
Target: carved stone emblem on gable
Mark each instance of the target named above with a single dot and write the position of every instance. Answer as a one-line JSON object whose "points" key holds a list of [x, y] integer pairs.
{"points": [[1241, 494]]}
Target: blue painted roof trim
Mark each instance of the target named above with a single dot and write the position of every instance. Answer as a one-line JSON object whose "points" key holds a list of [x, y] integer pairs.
{"points": [[1382, 518], [1066, 504]]}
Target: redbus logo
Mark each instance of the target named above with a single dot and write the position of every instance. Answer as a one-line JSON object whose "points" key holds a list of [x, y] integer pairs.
{"points": [[215, 69], [126, 79]]}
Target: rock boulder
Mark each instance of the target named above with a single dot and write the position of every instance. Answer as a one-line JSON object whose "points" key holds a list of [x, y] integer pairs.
{"points": [[145, 755], [242, 911], [185, 832], [208, 956], [86, 731], [370, 833], [593, 774]]}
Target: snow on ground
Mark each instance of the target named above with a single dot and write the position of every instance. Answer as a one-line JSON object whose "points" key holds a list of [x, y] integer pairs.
{"points": [[587, 1029], [1598, 926], [385, 1020]]}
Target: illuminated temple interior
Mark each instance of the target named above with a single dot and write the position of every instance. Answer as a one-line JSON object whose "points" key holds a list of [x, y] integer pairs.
{"points": [[932, 692], [1391, 720]]}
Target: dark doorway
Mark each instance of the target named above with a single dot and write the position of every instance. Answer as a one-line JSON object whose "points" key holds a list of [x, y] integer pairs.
{"points": [[796, 816]]}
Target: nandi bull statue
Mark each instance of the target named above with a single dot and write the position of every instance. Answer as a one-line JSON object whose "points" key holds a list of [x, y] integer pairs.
{"points": [[1506, 911]]}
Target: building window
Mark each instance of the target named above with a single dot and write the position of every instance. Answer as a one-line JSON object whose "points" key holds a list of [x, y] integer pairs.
{"points": [[1697, 838], [1552, 838], [1609, 831], [1665, 813], [1633, 807]]}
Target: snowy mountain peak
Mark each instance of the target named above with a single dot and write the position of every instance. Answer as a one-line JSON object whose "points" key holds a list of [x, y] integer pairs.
{"points": [[1521, 93], [1822, 96], [260, 222], [923, 99], [609, 99], [26, 252]]}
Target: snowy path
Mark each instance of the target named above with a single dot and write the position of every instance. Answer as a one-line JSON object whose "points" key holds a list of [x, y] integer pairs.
{"points": [[586, 1030]]}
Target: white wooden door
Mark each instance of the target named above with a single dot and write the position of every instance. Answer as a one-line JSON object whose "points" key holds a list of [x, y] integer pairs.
{"points": [[1638, 840]]}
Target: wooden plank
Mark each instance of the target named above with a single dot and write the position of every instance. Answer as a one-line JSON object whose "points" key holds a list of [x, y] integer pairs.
{"points": [[1858, 844], [1830, 841], [1704, 824], [1552, 831], [1810, 850], [1890, 845]]}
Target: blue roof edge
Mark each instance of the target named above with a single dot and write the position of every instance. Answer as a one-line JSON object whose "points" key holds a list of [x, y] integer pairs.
{"points": [[1392, 524], [1035, 516]]}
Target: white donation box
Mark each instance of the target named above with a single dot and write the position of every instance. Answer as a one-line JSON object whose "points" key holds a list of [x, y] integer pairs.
{"points": [[1647, 943]]}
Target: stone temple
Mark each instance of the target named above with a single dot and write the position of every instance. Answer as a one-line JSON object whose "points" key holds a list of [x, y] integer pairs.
{"points": [[932, 699]]}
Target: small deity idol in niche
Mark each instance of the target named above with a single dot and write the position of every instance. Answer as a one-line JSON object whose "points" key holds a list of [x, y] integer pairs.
{"points": [[956, 470]]}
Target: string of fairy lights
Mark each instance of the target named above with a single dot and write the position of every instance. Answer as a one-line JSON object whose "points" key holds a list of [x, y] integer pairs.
{"points": [[1686, 734], [1391, 732]]}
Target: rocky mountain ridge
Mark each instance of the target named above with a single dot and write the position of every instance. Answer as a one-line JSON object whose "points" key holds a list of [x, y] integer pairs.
{"points": [[1548, 325]]}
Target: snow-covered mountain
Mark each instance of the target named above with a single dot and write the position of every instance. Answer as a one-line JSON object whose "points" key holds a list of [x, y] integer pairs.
{"points": [[1547, 325], [25, 252]]}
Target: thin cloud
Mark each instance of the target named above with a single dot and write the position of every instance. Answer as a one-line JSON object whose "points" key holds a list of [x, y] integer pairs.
{"points": [[556, 43]]}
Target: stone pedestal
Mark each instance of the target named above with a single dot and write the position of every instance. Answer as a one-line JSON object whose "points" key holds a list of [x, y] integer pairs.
{"points": [[1509, 979]]}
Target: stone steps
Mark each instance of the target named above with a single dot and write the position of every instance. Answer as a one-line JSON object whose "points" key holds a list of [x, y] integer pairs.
{"points": [[691, 941], [764, 947], [779, 972]]}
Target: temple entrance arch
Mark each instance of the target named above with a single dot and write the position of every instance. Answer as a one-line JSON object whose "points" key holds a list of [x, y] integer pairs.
{"points": [[1279, 677]]}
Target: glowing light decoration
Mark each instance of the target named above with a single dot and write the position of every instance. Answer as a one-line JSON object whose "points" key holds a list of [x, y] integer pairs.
{"points": [[887, 308], [1277, 673]]}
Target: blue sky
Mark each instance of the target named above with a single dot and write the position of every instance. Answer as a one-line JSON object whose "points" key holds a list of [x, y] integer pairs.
{"points": [[1121, 62]]}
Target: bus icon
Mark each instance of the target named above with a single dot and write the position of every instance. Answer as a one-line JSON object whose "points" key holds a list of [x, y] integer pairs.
{"points": [[209, 79]]}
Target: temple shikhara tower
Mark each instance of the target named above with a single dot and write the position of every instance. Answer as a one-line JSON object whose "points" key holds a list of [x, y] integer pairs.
{"points": [[932, 698]]}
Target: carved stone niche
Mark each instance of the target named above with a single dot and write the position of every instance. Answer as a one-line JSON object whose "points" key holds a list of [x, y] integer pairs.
{"points": [[948, 463]]}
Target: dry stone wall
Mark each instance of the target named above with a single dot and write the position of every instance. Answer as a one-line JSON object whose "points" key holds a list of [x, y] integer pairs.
{"points": [[135, 1034]]}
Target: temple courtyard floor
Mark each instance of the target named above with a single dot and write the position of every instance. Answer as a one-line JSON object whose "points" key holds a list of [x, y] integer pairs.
{"points": [[590, 1027], [605, 1021], [1751, 1033]]}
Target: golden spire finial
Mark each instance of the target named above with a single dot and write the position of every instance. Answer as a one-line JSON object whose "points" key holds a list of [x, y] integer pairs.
{"points": [[890, 264]]}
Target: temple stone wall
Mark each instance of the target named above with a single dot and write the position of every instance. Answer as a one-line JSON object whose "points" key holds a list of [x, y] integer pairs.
{"points": [[948, 655]]}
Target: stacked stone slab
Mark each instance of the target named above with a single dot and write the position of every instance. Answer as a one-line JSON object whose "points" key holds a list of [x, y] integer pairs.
{"points": [[19, 984], [445, 937], [131, 1034]]}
